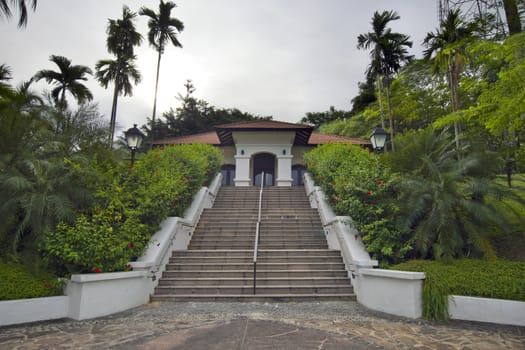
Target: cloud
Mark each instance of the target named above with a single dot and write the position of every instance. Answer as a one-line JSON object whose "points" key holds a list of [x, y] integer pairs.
{"points": [[273, 57]]}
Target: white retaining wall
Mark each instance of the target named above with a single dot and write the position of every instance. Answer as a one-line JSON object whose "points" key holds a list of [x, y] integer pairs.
{"points": [[32, 310], [487, 310], [95, 295]]}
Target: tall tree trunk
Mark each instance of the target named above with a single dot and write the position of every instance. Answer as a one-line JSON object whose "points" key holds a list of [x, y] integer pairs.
{"points": [[512, 15], [454, 98], [155, 99], [379, 83], [113, 119], [389, 107]]}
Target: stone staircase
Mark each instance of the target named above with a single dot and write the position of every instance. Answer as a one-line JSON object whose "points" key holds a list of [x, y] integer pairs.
{"points": [[294, 262]]}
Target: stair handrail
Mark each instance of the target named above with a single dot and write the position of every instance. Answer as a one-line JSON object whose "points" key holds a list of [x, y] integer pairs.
{"points": [[257, 235]]}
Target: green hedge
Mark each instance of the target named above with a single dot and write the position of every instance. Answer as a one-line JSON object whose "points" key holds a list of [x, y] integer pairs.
{"points": [[470, 277], [130, 204], [18, 283]]}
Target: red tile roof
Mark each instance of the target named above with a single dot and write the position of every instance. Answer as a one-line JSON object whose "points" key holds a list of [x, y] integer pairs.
{"points": [[209, 138], [320, 139], [263, 124], [222, 136]]}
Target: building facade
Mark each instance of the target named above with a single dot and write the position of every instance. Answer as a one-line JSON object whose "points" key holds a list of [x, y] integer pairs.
{"points": [[269, 151]]}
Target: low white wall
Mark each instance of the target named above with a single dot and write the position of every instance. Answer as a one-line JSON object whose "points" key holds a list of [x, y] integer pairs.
{"points": [[486, 310], [95, 295], [391, 291], [32, 310]]}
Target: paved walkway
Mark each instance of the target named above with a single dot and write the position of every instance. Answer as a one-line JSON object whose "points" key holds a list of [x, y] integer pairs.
{"points": [[316, 325]]}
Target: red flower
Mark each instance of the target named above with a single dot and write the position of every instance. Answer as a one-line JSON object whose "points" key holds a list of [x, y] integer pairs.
{"points": [[334, 200], [369, 193], [47, 286], [97, 270], [379, 182], [129, 267], [130, 245]]}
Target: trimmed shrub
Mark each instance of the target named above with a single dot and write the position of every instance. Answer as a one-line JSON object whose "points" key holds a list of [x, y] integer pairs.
{"points": [[18, 283], [469, 277]]}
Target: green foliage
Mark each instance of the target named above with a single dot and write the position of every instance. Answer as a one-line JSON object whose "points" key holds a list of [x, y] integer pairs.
{"points": [[355, 126], [470, 277], [129, 208], [316, 119], [16, 282], [448, 199], [359, 185]]}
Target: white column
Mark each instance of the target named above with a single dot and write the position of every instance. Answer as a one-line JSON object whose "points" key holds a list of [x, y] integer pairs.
{"points": [[284, 171], [242, 170]]}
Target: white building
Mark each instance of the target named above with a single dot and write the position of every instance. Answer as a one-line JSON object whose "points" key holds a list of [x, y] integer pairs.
{"points": [[264, 146]]}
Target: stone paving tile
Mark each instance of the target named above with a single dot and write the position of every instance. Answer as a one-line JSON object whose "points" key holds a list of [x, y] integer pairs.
{"points": [[316, 325]]}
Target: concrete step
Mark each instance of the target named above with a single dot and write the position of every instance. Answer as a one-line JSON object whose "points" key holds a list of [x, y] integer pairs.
{"points": [[278, 281], [249, 259], [260, 266], [256, 297], [248, 289], [248, 273], [247, 245], [249, 252]]}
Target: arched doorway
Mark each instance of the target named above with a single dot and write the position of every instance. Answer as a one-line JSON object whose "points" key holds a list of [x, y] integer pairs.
{"points": [[264, 162]]}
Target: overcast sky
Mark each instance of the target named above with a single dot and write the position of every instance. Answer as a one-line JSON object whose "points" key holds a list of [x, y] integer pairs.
{"points": [[274, 57]]}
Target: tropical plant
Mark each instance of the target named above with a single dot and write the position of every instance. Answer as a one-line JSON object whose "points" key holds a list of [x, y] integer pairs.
{"points": [[67, 79], [447, 44], [162, 29], [450, 205], [389, 52], [5, 9], [122, 37]]}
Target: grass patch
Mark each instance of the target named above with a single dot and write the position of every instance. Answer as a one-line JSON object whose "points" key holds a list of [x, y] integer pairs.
{"points": [[469, 277], [17, 282]]}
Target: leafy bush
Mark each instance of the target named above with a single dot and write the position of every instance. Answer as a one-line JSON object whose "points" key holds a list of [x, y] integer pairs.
{"points": [[130, 206], [448, 198], [18, 283], [359, 185], [470, 277]]}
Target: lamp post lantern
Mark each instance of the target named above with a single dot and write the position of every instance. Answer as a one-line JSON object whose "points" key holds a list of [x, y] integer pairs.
{"points": [[378, 139], [134, 138]]}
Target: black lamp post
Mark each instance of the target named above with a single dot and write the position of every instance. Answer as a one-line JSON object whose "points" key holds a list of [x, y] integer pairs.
{"points": [[134, 139], [378, 139]]}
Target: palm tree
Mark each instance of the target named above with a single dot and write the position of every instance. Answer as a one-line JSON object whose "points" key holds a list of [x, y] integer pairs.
{"points": [[5, 75], [389, 51], [450, 206], [22, 8], [162, 29], [447, 45], [122, 37], [66, 80]]}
